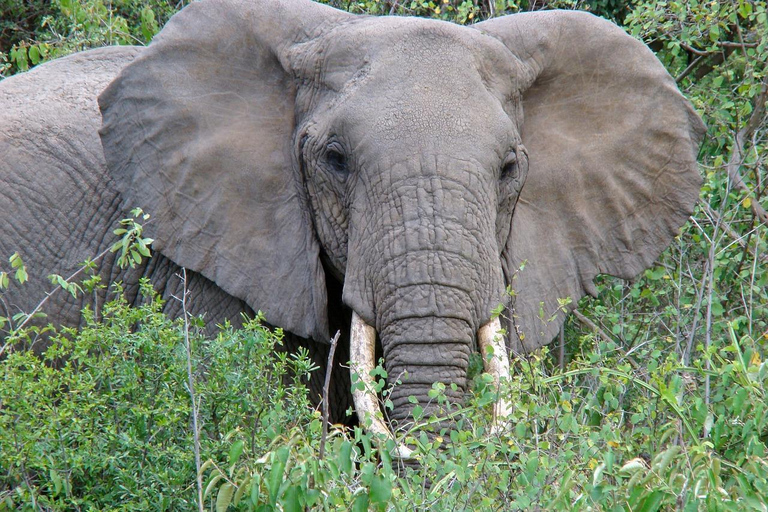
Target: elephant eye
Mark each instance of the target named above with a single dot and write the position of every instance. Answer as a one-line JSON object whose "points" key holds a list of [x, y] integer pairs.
{"points": [[335, 158], [509, 167]]}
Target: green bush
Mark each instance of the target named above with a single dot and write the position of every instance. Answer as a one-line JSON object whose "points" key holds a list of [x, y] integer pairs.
{"points": [[602, 435], [101, 420]]}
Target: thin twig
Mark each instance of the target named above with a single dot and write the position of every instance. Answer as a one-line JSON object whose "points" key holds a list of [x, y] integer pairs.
{"points": [[737, 238], [326, 388], [191, 389], [596, 328], [700, 53], [722, 44], [687, 71], [592, 325], [48, 296], [67, 280], [730, 44]]}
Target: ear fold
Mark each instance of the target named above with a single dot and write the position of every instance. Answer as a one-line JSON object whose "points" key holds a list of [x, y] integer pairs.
{"points": [[612, 161], [198, 132]]}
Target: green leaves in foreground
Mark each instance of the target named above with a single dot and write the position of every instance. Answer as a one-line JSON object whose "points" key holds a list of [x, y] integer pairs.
{"points": [[601, 435], [102, 420]]}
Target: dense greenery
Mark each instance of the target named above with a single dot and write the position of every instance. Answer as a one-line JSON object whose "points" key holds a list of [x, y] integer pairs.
{"points": [[659, 402]]}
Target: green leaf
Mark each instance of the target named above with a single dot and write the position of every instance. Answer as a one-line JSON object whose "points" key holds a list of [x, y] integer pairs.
{"points": [[652, 502], [290, 500], [212, 484], [381, 490], [224, 498], [235, 451], [56, 479], [361, 503], [345, 457], [714, 33], [34, 55], [15, 260], [276, 474]]}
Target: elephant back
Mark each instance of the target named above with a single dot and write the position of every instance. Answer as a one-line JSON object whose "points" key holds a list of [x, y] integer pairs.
{"points": [[56, 198]]}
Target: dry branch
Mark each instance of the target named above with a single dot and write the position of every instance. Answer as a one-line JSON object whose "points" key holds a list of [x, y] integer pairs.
{"points": [[326, 388], [737, 153]]}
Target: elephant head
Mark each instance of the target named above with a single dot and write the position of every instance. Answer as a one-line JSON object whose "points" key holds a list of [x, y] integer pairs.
{"points": [[282, 143]]}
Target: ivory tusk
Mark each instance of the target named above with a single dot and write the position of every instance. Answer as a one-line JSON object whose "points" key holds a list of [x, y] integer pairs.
{"points": [[497, 365], [362, 347]]}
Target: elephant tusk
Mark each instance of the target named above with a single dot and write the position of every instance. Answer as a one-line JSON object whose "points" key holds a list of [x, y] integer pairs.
{"points": [[362, 347], [495, 363]]}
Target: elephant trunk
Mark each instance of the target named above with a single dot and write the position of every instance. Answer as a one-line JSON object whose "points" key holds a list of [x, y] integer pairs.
{"points": [[426, 274], [422, 352], [362, 359]]}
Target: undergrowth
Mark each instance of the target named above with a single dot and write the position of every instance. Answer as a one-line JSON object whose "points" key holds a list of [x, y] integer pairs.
{"points": [[101, 421]]}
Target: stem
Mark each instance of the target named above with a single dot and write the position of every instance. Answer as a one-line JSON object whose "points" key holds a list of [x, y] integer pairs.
{"points": [[326, 387], [191, 388], [45, 299]]}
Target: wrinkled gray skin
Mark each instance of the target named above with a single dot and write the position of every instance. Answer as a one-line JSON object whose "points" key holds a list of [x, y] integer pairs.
{"points": [[307, 162]]}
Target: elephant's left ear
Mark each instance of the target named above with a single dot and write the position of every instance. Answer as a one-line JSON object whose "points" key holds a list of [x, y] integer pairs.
{"points": [[198, 131], [612, 149]]}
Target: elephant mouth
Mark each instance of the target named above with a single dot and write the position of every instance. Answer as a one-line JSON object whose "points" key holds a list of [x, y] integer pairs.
{"points": [[362, 362]]}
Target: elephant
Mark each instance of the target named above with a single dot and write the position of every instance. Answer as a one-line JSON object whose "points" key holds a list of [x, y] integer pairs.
{"points": [[386, 177]]}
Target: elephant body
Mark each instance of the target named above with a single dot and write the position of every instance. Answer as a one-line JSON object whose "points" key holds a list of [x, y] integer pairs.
{"points": [[75, 207], [50, 133], [385, 177]]}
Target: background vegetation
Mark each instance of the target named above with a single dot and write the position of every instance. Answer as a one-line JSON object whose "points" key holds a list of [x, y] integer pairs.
{"points": [[654, 400]]}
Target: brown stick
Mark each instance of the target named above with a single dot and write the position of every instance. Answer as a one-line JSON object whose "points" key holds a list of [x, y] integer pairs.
{"points": [[737, 152], [326, 387], [687, 71], [592, 325]]}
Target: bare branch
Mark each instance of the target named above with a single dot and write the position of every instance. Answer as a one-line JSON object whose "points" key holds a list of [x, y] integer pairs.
{"points": [[191, 386], [737, 152], [326, 387], [700, 53], [735, 236], [729, 44], [687, 71], [592, 325]]}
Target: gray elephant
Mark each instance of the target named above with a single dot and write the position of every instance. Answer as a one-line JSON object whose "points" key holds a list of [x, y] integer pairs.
{"points": [[385, 176]]}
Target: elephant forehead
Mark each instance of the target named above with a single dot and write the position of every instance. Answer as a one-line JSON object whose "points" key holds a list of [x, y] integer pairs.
{"points": [[413, 82]]}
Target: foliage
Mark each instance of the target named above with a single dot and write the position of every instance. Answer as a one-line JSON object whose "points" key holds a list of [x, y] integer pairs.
{"points": [[658, 404], [102, 418], [109, 425], [33, 32]]}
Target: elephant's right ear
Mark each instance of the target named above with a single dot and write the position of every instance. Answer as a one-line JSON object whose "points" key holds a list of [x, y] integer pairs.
{"points": [[198, 131]]}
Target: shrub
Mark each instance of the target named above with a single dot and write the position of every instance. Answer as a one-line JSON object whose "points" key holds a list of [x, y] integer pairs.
{"points": [[102, 419]]}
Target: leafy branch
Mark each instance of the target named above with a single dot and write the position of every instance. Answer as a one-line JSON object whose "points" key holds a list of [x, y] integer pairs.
{"points": [[133, 246]]}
